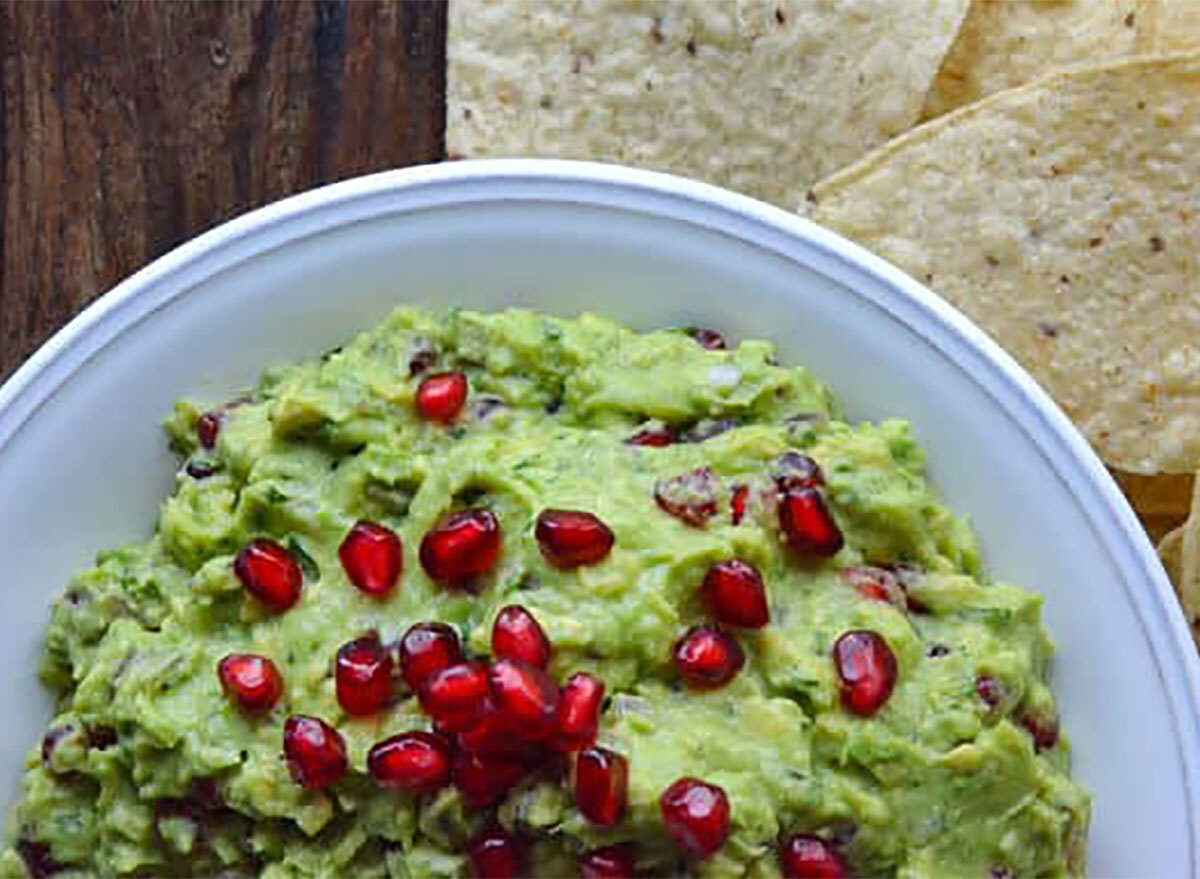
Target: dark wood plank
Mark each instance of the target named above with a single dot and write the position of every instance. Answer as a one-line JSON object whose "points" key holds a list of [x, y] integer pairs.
{"points": [[128, 127]]}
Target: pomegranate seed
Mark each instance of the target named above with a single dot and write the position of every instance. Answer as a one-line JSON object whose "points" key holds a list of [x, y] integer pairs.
{"points": [[208, 427], [601, 785], [461, 546], [525, 696], [495, 736], [484, 779], [412, 761], [878, 584], [517, 635], [794, 471], [270, 574], [315, 752], [37, 858], [421, 360], [710, 339], [440, 397], [735, 595], [456, 696], [101, 737], [570, 538], [51, 739], [696, 816], [810, 857], [655, 437], [610, 862], [253, 682], [706, 657], [427, 648], [495, 854], [866, 668], [690, 497], [579, 711], [990, 690], [363, 676], [807, 524], [1044, 731], [908, 576], [737, 503], [200, 470], [372, 557]]}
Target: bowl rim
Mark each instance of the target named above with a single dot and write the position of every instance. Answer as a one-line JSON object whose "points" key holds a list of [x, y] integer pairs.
{"points": [[1068, 455]]}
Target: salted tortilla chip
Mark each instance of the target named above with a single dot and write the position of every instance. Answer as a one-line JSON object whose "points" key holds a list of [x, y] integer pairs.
{"points": [[1063, 217], [1170, 552], [763, 96], [1174, 25], [1005, 43], [1188, 582]]}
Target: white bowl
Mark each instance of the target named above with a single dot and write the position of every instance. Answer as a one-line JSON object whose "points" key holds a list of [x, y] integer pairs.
{"points": [[83, 464]]}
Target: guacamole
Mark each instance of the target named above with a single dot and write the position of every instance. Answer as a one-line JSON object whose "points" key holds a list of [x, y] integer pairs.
{"points": [[635, 495]]}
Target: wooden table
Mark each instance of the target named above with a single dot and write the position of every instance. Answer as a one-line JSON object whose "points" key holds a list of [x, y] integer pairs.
{"points": [[128, 127]]}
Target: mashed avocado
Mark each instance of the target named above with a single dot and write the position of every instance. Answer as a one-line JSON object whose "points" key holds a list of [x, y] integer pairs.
{"points": [[149, 768]]}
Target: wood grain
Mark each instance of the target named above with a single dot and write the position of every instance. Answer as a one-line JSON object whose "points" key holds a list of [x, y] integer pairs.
{"points": [[129, 127]]}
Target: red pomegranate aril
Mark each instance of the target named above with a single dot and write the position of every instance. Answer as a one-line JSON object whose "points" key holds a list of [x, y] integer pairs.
{"points": [[1044, 731], [878, 584], [493, 735], [421, 360], [571, 538], [485, 779], [734, 594], [866, 669], [363, 676], [601, 785], [737, 503], [525, 697], [252, 682], [208, 428], [517, 635], [315, 752], [579, 711], [795, 471], [689, 497], [652, 437], [696, 815], [809, 857], [495, 854], [610, 862], [990, 690], [372, 558], [707, 657], [440, 397], [269, 573], [425, 649], [200, 469], [461, 546], [709, 339], [456, 696], [807, 525], [413, 761]]}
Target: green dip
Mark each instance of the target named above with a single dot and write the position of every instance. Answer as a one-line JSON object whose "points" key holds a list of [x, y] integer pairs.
{"points": [[150, 769]]}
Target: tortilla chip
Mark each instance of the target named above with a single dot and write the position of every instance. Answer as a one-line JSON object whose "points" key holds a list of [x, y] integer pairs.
{"points": [[1188, 582], [1005, 43], [1174, 25], [1062, 217], [1170, 552], [763, 96]]}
